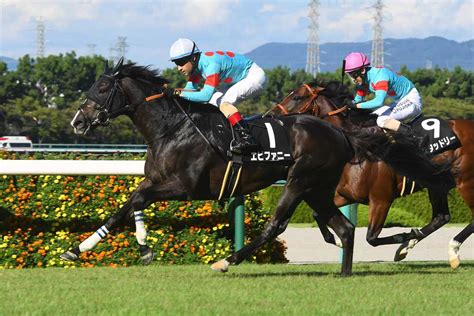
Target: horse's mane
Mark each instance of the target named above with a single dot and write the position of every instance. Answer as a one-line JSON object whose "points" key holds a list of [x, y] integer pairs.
{"points": [[333, 89], [143, 73]]}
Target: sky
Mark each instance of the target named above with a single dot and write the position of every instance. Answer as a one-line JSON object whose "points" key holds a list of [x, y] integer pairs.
{"points": [[151, 26]]}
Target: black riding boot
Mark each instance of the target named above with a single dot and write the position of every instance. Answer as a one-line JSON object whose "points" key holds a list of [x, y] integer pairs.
{"points": [[244, 141]]}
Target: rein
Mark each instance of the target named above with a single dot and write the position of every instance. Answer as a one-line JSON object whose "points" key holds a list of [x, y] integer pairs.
{"points": [[188, 117], [309, 106]]}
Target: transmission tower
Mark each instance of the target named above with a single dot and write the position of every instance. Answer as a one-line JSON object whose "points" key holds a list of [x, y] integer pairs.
{"points": [[312, 55], [377, 41], [121, 47], [91, 49], [40, 37]]}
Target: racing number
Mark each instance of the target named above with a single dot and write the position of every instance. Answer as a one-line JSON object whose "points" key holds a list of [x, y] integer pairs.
{"points": [[432, 124]]}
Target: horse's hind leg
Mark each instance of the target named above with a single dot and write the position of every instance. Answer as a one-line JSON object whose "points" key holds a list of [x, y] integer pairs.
{"points": [[455, 244], [277, 224], [338, 222], [137, 202], [441, 216], [466, 190]]}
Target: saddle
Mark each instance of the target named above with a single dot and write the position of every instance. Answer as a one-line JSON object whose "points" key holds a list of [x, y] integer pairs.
{"points": [[274, 143]]}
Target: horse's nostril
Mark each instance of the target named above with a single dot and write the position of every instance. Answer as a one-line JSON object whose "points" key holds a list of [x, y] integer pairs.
{"points": [[77, 123]]}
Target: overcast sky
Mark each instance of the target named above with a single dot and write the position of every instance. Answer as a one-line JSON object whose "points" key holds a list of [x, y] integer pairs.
{"points": [[151, 26]]}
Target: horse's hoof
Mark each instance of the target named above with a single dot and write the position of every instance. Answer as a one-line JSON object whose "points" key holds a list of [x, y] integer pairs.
{"points": [[402, 251], [69, 256], [147, 256], [222, 265], [453, 252]]}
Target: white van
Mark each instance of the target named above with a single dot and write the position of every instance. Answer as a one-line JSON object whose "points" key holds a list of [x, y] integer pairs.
{"points": [[15, 142]]}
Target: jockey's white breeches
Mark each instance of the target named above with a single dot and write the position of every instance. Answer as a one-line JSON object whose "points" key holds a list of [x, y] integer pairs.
{"points": [[404, 110], [250, 86]]}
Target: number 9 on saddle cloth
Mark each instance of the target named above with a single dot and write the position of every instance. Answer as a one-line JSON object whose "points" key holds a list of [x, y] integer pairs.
{"points": [[441, 136]]}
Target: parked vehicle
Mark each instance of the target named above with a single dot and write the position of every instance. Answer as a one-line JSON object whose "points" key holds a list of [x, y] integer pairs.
{"points": [[15, 142]]}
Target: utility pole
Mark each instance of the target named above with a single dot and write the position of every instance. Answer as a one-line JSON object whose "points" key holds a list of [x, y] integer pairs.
{"points": [[312, 55], [39, 37], [377, 40]]}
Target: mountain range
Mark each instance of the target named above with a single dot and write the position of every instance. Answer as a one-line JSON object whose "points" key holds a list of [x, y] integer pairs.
{"points": [[414, 53]]}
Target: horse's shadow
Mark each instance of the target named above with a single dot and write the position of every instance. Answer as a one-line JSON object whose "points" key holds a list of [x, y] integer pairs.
{"points": [[401, 269]]}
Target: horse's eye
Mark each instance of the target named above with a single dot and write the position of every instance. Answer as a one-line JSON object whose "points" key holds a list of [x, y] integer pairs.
{"points": [[297, 98]]}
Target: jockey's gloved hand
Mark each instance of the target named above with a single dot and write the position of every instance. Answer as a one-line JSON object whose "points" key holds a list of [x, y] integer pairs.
{"points": [[170, 92], [352, 105]]}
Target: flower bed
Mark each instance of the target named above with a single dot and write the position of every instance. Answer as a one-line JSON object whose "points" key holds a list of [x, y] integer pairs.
{"points": [[42, 216]]}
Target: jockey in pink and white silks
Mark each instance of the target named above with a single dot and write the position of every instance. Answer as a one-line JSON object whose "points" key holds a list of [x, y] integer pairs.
{"points": [[383, 83], [228, 79]]}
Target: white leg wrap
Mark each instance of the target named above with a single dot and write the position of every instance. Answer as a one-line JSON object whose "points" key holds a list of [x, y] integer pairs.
{"points": [[453, 249], [140, 227], [90, 242]]}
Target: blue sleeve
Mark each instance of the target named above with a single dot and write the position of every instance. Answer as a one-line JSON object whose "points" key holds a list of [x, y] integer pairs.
{"points": [[190, 86], [376, 102], [358, 98], [212, 81]]}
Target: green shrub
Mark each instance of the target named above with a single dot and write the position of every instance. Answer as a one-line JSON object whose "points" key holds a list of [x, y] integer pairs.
{"points": [[413, 210]]}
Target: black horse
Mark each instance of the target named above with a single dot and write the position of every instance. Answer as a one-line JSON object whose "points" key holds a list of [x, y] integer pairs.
{"points": [[186, 160]]}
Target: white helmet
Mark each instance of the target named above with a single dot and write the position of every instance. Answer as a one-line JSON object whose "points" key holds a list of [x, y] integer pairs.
{"points": [[183, 47]]}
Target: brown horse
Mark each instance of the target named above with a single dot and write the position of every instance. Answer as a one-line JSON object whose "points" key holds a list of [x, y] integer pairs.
{"points": [[375, 183]]}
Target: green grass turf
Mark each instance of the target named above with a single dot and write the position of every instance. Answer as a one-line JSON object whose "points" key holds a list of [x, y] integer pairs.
{"points": [[428, 288]]}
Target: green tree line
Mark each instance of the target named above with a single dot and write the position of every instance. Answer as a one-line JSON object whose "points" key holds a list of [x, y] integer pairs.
{"points": [[40, 97]]}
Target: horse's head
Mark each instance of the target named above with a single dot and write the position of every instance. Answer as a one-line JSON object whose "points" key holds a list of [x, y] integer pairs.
{"points": [[321, 100], [300, 100], [105, 100]]}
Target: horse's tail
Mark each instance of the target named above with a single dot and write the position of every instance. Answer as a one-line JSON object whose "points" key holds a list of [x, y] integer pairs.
{"points": [[401, 153]]}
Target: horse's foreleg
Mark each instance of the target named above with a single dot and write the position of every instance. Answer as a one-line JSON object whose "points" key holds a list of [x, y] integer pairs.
{"points": [[137, 201], [146, 253], [277, 224], [92, 240], [441, 216], [327, 235], [338, 222], [455, 244]]}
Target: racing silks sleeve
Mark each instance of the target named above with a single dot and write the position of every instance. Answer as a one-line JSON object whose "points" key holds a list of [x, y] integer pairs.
{"points": [[211, 73]]}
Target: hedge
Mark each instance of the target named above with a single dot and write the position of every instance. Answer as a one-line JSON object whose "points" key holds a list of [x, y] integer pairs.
{"points": [[42, 216], [411, 211]]}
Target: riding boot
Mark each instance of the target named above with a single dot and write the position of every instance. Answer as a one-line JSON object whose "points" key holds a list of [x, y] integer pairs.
{"points": [[244, 141]]}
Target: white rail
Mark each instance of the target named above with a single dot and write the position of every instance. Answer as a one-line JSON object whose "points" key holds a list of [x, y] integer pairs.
{"points": [[72, 167]]}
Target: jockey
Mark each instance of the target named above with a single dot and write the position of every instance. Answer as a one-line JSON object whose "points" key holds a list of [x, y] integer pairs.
{"points": [[228, 79], [383, 83]]}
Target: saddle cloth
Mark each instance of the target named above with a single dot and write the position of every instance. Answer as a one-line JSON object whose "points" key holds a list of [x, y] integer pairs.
{"points": [[272, 136], [441, 137]]}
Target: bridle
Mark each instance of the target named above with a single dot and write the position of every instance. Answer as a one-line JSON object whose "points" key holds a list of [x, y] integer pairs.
{"points": [[310, 106], [105, 108]]}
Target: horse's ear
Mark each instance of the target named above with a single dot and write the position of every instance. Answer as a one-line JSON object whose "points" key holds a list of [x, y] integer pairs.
{"points": [[117, 67], [106, 66]]}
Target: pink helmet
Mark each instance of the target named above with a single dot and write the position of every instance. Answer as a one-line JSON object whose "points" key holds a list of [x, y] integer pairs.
{"points": [[355, 61]]}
